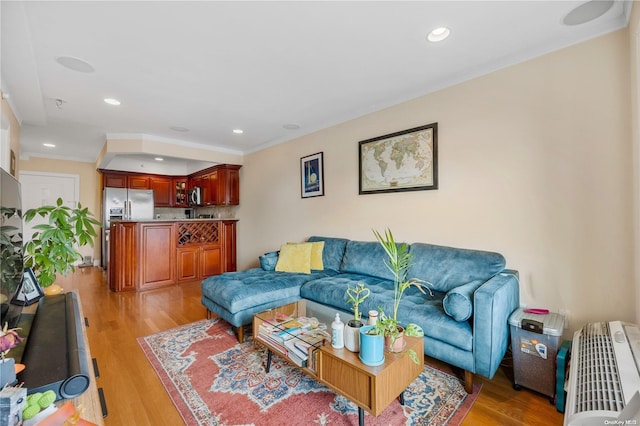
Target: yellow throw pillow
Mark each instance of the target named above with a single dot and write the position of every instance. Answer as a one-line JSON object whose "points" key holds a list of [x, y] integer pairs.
{"points": [[316, 254], [295, 258]]}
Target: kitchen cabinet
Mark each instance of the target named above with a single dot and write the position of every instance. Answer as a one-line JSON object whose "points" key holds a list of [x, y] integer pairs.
{"points": [[115, 179], [158, 254], [225, 185], [138, 182], [205, 185], [220, 185], [199, 261], [162, 191], [122, 256], [150, 254], [199, 250], [229, 245], [180, 192]]}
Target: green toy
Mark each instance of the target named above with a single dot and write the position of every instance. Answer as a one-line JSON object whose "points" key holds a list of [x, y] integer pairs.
{"points": [[37, 402]]}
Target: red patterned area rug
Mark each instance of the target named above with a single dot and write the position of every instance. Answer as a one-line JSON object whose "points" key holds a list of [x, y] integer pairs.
{"points": [[214, 380]]}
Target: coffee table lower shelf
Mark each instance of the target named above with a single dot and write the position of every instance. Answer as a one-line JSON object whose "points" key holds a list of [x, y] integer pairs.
{"points": [[372, 389]]}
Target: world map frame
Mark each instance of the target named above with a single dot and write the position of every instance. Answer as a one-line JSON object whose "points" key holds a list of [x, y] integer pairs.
{"points": [[402, 161]]}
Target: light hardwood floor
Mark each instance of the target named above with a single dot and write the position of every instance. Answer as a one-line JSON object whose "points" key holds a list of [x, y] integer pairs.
{"points": [[135, 395]]}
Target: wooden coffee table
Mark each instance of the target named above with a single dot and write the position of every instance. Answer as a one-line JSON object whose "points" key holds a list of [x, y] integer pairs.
{"points": [[370, 388]]}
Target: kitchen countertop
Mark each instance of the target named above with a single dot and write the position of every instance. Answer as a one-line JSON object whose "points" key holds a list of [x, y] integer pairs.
{"points": [[173, 220]]}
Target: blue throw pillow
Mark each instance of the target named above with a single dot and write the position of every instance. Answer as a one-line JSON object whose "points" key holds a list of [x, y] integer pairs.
{"points": [[268, 260], [458, 302]]}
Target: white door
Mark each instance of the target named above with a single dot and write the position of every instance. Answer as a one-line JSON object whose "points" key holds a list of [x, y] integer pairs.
{"points": [[42, 189]]}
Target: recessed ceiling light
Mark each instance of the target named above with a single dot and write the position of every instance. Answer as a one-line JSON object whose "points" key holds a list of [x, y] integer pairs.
{"points": [[112, 101], [74, 64], [587, 12], [49, 145], [291, 126], [438, 34], [179, 129], [238, 131], [159, 159]]}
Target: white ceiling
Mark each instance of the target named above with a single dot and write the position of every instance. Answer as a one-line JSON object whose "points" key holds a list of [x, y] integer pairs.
{"points": [[214, 66]]}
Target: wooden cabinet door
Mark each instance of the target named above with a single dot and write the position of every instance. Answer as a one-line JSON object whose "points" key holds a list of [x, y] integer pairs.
{"points": [[229, 246], [158, 258], [188, 264], [139, 182], [227, 184], [123, 273], [215, 194], [232, 187], [180, 192], [162, 191], [229, 187], [114, 180], [205, 186], [210, 261]]}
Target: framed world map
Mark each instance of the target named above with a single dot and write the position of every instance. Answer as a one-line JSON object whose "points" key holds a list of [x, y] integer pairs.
{"points": [[401, 161]]}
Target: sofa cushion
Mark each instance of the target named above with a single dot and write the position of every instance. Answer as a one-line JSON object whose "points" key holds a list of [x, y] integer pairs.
{"points": [[237, 291], [332, 252], [268, 261], [422, 309], [448, 267], [366, 258], [458, 302], [294, 258]]}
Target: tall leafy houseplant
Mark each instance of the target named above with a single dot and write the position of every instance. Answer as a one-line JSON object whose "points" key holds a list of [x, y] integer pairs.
{"points": [[399, 261], [53, 248]]}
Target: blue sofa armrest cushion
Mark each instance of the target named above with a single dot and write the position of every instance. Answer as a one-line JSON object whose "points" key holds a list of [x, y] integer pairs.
{"points": [[494, 301], [268, 261], [458, 302]]}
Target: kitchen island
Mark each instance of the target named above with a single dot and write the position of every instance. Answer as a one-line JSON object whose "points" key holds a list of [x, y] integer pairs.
{"points": [[155, 253]]}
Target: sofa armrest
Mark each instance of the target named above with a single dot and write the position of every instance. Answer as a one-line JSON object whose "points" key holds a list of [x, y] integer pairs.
{"points": [[494, 302]]}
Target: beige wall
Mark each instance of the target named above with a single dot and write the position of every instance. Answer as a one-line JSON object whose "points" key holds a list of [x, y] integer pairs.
{"points": [[535, 163], [14, 132], [89, 183], [634, 54]]}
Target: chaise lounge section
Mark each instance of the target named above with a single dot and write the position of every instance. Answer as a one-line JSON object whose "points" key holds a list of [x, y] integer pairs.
{"points": [[464, 316]]}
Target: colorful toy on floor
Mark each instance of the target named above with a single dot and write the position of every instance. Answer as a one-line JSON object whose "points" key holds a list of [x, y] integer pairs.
{"points": [[37, 402]]}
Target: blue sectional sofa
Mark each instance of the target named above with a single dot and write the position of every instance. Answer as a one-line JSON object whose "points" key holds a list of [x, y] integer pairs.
{"points": [[465, 319]]}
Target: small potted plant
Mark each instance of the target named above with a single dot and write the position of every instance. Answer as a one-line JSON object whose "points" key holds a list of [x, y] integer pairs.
{"points": [[53, 247], [355, 296], [399, 261]]}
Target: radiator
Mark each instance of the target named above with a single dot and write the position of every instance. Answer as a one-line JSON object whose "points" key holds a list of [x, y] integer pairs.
{"points": [[604, 376]]}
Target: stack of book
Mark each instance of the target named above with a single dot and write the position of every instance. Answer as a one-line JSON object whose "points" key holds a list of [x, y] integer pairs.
{"points": [[295, 338]]}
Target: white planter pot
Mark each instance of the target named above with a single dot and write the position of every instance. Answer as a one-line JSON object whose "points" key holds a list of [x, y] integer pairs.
{"points": [[352, 335]]}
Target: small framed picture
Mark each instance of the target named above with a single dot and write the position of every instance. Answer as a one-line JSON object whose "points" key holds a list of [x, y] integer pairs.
{"points": [[312, 175], [29, 291]]}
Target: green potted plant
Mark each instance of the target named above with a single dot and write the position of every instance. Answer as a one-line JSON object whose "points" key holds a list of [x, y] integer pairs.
{"points": [[355, 296], [10, 251], [399, 261], [53, 248]]}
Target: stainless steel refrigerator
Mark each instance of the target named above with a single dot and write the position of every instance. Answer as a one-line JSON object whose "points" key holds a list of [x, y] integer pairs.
{"points": [[123, 204]]}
